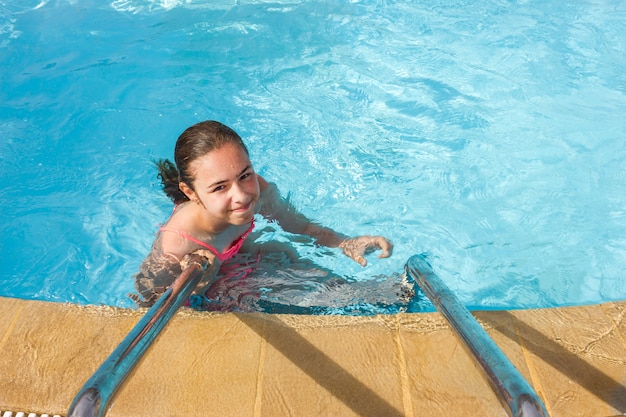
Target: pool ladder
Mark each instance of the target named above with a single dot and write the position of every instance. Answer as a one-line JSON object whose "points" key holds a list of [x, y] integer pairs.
{"points": [[518, 397], [93, 398]]}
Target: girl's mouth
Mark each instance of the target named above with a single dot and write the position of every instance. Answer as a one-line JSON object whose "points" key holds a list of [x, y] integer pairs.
{"points": [[242, 209]]}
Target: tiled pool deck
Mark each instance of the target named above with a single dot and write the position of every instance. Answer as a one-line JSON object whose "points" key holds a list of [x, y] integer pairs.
{"points": [[241, 365]]}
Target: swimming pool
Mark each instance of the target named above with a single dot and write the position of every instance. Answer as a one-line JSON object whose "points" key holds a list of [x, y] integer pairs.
{"points": [[489, 135]]}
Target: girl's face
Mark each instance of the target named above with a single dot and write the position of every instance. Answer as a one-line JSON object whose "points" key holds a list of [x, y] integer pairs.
{"points": [[226, 185]]}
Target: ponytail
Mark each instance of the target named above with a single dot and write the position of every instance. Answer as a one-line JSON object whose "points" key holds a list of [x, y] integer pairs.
{"points": [[170, 178]]}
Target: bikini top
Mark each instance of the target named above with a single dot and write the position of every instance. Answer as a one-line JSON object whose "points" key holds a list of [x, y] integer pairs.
{"points": [[223, 256]]}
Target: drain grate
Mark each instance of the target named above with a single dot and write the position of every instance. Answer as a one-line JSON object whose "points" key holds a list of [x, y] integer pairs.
{"points": [[22, 414]]}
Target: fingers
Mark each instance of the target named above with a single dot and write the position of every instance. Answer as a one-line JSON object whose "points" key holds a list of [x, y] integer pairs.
{"points": [[205, 253], [208, 255], [354, 248], [357, 247], [384, 245]]}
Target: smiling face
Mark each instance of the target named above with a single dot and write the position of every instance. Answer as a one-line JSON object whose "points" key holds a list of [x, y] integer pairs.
{"points": [[225, 185]]}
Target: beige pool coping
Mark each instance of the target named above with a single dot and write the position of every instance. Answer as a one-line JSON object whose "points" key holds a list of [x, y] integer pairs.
{"points": [[253, 365]]}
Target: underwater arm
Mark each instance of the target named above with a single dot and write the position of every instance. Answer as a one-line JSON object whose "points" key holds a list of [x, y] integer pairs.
{"points": [[291, 220], [157, 273], [355, 248]]}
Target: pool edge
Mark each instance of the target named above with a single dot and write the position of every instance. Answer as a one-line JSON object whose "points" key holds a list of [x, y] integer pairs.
{"points": [[266, 365]]}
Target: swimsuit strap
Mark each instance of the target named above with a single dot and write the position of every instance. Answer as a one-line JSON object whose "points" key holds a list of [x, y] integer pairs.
{"points": [[227, 254]]}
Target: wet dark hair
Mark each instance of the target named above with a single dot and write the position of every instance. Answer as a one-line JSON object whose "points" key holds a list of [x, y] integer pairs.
{"points": [[195, 142]]}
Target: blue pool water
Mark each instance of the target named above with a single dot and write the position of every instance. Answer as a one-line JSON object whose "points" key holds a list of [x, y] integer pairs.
{"points": [[488, 134]]}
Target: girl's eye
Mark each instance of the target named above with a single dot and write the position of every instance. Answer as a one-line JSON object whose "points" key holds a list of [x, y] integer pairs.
{"points": [[219, 188], [245, 176]]}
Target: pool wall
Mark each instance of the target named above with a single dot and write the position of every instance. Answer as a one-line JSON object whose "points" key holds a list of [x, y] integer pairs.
{"points": [[277, 365]]}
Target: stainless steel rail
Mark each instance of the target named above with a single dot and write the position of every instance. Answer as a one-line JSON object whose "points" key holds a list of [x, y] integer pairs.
{"points": [[514, 392], [94, 396]]}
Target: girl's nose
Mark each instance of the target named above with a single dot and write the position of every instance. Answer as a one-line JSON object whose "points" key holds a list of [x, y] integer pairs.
{"points": [[237, 192]]}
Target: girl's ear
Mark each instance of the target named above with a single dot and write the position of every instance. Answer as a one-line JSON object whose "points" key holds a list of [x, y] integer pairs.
{"points": [[188, 191]]}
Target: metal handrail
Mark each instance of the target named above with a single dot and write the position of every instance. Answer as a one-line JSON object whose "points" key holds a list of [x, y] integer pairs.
{"points": [[512, 389], [94, 396]]}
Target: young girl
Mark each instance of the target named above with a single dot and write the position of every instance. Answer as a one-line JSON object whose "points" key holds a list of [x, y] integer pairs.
{"points": [[216, 195]]}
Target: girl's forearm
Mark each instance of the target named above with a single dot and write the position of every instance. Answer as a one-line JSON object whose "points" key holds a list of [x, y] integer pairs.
{"points": [[324, 235]]}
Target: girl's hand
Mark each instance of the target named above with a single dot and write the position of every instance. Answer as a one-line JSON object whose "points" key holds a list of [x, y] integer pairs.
{"points": [[185, 262], [357, 247]]}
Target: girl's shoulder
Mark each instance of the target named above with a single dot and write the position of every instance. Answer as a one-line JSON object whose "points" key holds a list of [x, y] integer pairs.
{"points": [[268, 190], [172, 235], [269, 197], [263, 183], [173, 243]]}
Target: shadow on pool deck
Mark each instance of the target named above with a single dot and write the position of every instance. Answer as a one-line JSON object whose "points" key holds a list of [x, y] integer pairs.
{"points": [[277, 365], [569, 364], [326, 373]]}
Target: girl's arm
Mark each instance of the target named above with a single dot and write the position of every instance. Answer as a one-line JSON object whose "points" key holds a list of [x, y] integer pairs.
{"points": [[161, 268], [272, 205]]}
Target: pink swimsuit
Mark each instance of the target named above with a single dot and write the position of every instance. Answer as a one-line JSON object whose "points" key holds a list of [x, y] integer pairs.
{"points": [[223, 256]]}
